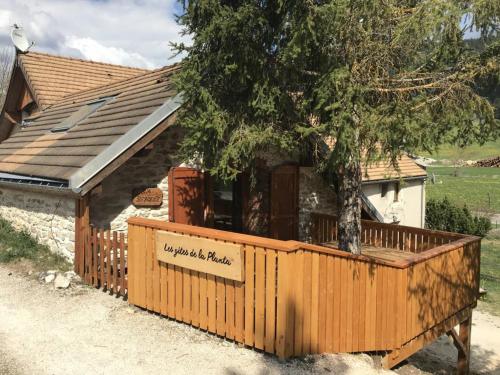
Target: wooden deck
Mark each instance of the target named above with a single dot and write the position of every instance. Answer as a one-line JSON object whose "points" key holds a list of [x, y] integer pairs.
{"points": [[381, 253], [408, 287]]}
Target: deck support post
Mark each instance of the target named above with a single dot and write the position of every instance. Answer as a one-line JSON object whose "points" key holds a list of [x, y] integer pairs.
{"points": [[463, 362], [461, 341]]}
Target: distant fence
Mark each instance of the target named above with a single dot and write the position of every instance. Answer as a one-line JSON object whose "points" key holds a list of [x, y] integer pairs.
{"points": [[299, 298], [104, 260], [400, 237]]}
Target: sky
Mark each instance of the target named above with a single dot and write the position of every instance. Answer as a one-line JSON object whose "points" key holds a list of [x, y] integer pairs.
{"points": [[125, 32]]}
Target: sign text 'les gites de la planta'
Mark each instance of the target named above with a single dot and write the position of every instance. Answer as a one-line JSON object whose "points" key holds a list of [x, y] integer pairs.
{"points": [[201, 254]]}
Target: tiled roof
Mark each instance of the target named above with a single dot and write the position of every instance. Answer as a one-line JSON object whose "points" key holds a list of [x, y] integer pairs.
{"points": [[53, 77], [384, 171], [36, 151]]}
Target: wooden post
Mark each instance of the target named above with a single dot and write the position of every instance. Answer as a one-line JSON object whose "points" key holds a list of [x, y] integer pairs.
{"points": [[463, 363], [82, 225]]}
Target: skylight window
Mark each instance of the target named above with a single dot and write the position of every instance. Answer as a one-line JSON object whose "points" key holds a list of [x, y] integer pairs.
{"points": [[81, 114]]}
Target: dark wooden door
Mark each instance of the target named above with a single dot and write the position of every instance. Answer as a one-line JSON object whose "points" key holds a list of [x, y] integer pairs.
{"points": [[187, 196], [285, 202]]}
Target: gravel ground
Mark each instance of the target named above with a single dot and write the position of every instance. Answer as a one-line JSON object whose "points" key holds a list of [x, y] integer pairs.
{"points": [[82, 331]]}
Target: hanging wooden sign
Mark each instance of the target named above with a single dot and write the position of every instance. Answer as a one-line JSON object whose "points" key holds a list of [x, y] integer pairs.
{"points": [[201, 254], [147, 197]]}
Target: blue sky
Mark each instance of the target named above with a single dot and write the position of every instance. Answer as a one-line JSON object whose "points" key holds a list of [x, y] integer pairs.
{"points": [[127, 32]]}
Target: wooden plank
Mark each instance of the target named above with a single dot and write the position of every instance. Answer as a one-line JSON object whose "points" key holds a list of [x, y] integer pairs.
{"points": [[171, 290], [203, 301], [260, 296], [95, 257], [306, 340], [239, 317], [178, 293], [330, 298], [270, 310], [156, 274], [315, 275], [323, 302], [150, 260], [141, 262], [379, 308], [108, 260], [163, 288], [343, 283], [186, 295], [291, 303], [282, 305], [221, 306], [87, 253], [299, 302], [195, 298], [102, 254], [363, 271], [230, 309], [249, 294], [122, 264], [212, 303], [356, 302], [115, 263], [130, 263], [350, 304]]}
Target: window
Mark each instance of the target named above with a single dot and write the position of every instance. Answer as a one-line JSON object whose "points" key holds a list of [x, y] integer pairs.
{"points": [[223, 205], [383, 189], [396, 192], [81, 114]]}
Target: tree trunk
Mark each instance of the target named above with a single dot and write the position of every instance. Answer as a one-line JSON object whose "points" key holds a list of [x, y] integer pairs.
{"points": [[349, 207]]}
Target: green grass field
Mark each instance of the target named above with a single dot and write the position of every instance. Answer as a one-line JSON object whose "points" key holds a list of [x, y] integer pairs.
{"points": [[490, 272], [473, 152], [478, 188]]}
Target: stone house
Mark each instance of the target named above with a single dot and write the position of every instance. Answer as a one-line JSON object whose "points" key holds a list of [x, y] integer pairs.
{"points": [[85, 143]]}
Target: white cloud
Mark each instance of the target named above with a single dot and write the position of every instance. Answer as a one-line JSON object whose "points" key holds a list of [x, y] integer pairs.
{"points": [[128, 32], [93, 50]]}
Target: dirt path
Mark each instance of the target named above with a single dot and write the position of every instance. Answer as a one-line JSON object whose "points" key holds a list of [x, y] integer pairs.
{"points": [[83, 331]]}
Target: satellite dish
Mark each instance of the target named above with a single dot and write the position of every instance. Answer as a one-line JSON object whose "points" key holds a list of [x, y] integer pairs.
{"points": [[20, 39]]}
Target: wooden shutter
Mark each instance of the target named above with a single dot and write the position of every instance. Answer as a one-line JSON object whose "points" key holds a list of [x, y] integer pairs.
{"points": [[285, 202], [187, 196]]}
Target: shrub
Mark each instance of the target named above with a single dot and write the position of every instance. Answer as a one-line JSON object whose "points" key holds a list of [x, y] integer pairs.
{"points": [[444, 215]]}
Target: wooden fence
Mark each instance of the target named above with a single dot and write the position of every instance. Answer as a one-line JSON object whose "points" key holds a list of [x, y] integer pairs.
{"points": [[104, 260], [299, 298], [400, 237]]}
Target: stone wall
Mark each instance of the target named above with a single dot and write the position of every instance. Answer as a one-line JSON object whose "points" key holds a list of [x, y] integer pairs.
{"points": [[112, 206], [48, 217], [314, 196]]}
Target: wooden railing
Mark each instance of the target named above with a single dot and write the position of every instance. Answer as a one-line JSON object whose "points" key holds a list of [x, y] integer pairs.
{"points": [[415, 240], [104, 260], [300, 298]]}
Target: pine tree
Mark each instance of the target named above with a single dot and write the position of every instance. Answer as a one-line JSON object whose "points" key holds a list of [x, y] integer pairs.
{"points": [[377, 78]]}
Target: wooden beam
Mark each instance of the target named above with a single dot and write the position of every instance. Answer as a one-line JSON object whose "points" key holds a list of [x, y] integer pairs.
{"points": [[394, 357], [82, 225], [456, 340], [463, 363]]}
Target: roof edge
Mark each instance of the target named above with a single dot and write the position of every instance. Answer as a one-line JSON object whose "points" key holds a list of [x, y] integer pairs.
{"points": [[394, 178], [122, 144]]}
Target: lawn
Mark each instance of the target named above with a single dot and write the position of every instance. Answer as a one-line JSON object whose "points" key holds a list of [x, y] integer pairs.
{"points": [[490, 271], [473, 152], [479, 188]]}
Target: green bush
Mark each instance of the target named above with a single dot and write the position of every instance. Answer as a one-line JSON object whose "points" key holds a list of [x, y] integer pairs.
{"points": [[444, 215]]}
